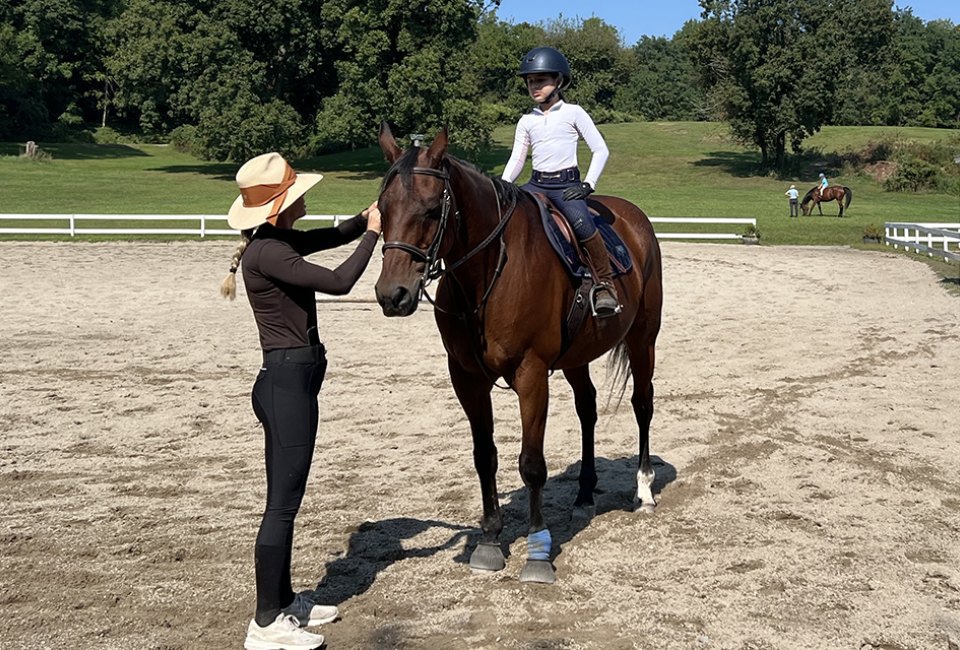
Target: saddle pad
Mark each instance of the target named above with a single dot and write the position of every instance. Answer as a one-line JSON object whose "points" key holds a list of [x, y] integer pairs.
{"points": [[620, 260]]}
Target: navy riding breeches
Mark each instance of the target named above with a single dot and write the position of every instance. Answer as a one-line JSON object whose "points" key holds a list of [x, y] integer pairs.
{"points": [[552, 185]]}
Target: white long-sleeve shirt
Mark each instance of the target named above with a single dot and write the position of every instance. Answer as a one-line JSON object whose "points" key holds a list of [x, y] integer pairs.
{"points": [[554, 136]]}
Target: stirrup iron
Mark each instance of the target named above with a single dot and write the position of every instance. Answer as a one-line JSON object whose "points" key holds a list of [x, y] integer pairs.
{"points": [[593, 301]]}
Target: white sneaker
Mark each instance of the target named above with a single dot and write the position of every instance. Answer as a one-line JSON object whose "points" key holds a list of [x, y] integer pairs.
{"points": [[283, 634], [308, 612]]}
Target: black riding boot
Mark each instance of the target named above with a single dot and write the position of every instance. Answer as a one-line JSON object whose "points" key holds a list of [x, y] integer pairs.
{"points": [[606, 302]]}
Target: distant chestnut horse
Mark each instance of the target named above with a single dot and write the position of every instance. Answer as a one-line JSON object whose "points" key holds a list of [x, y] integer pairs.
{"points": [[500, 307], [842, 195]]}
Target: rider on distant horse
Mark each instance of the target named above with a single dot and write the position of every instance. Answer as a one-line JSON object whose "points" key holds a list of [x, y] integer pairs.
{"points": [[823, 184], [553, 130]]}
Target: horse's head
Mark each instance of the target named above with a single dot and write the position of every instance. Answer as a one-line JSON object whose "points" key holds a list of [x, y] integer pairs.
{"points": [[414, 200], [809, 200]]}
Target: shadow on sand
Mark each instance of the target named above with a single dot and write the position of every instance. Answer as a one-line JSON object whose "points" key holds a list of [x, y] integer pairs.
{"points": [[376, 545]]}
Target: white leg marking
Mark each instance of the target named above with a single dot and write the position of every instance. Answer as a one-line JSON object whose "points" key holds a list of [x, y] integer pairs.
{"points": [[644, 500]]}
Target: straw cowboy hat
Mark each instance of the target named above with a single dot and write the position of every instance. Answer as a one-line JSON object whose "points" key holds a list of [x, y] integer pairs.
{"points": [[793, 187], [268, 186]]}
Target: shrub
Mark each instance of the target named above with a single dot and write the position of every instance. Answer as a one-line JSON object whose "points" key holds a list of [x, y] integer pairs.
{"points": [[183, 138], [107, 135], [913, 175]]}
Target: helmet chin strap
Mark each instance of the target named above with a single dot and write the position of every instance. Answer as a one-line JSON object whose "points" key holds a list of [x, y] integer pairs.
{"points": [[556, 92]]}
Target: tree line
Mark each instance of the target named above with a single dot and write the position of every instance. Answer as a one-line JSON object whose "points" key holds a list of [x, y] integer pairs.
{"points": [[227, 79]]}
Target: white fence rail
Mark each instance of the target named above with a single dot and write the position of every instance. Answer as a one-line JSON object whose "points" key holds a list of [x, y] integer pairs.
{"points": [[729, 221], [73, 224], [934, 239]]}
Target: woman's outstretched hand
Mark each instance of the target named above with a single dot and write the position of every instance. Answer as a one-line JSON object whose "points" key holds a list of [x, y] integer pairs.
{"points": [[372, 215]]}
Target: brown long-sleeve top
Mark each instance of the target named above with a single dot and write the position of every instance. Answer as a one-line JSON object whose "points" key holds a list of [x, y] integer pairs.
{"points": [[282, 286]]}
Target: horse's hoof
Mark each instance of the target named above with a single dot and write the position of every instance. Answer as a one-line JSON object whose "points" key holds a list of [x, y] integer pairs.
{"points": [[538, 571], [487, 557], [645, 508], [583, 513]]}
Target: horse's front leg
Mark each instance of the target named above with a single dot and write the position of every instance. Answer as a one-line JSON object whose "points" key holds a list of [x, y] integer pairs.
{"points": [[530, 384], [473, 391]]}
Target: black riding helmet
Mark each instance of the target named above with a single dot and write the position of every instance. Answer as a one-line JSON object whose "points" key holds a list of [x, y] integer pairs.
{"points": [[546, 59]]}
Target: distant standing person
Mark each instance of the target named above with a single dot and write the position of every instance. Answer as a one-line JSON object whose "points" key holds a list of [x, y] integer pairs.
{"points": [[793, 194], [281, 287]]}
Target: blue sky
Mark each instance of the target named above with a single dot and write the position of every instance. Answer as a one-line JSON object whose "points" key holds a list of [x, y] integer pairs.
{"points": [[636, 18]]}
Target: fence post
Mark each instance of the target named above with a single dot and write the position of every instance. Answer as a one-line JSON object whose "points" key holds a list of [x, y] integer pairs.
{"points": [[203, 224], [73, 226]]}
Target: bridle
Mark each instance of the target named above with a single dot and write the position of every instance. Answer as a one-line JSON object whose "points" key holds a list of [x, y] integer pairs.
{"points": [[434, 267]]}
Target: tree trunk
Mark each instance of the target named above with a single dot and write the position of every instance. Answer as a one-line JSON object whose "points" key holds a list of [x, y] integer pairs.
{"points": [[780, 144]]}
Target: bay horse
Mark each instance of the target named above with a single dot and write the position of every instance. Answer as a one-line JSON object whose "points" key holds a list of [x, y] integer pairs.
{"points": [[500, 306], [841, 194]]}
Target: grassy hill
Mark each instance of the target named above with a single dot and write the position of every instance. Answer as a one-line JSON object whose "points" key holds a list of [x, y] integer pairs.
{"points": [[667, 168]]}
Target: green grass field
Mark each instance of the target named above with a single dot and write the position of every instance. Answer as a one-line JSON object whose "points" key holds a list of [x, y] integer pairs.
{"points": [[667, 168]]}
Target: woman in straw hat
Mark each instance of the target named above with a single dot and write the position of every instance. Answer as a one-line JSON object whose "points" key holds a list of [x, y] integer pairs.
{"points": [[281, 287]]}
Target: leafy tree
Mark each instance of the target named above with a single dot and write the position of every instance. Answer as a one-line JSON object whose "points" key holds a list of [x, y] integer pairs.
{"points": [[664, 82], [941, 85], [175, 65], [597, 60], [493, 61], [775, 66], [865, 32], [23, 112], [400, 62], [58, 46]]}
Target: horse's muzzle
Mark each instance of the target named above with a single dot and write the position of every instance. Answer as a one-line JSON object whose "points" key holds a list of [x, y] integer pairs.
{"points": [[398, 300]]}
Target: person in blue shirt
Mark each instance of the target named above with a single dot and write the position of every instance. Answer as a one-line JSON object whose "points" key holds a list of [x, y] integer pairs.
{"points": [[823, 183], [793, 195]]}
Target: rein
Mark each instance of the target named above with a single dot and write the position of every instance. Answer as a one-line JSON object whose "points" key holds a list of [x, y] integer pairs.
{"points": [[435, 268]]}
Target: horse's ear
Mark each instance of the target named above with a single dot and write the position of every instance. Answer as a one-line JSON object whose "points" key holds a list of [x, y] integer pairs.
{"points": [[388, 143], [438, 147]]}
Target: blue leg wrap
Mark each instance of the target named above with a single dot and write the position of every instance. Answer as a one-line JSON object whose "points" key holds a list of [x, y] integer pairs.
{"points": [[539, 545]]}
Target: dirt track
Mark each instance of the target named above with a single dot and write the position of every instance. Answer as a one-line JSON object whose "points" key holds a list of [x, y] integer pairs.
{"points": [[806, 432]]}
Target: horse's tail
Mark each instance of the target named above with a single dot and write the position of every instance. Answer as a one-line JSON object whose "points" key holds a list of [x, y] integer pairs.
{"points": [[618, 366], [848, 195]]}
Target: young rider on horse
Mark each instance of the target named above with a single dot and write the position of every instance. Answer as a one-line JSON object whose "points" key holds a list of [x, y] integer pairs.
{"points": [[552, 130], [823, 183]]}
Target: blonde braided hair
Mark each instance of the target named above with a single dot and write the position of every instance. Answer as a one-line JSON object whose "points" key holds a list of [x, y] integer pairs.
{"points": [[228, 288]]}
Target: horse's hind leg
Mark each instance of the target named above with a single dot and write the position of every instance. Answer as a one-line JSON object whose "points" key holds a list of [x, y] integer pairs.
{"points": [[585, 399], [473, 391], [642, 359]]}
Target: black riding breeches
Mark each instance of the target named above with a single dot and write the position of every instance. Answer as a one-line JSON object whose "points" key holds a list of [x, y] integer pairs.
{"points": [[576, 212], [285, 402]]}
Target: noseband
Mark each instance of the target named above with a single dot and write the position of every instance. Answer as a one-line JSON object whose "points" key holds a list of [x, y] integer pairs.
{"points": [[434, 265]]}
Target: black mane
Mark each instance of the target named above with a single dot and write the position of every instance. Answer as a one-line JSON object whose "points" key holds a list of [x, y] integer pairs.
{"points": [[403, 167], [504, 189]]}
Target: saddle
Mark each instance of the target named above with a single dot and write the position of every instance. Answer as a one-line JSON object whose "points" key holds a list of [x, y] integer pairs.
{"points": [[565, 243]]}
